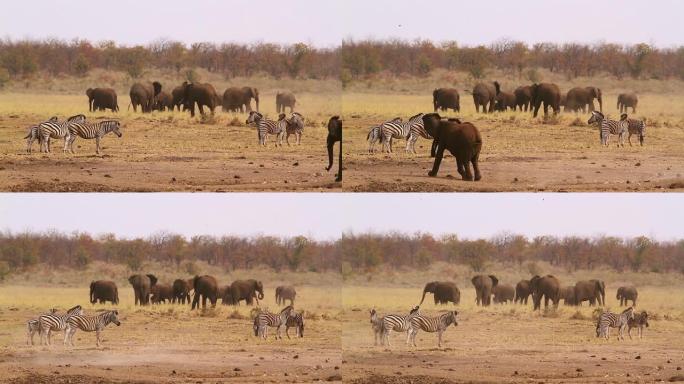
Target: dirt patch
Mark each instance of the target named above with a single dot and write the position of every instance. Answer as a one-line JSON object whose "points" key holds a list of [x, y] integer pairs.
{"points": [[33, 378], [374, 379]]}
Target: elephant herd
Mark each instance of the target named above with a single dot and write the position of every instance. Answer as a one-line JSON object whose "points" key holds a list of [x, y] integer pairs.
{"points": [[488, 290], [148, 290], [489, 97]]}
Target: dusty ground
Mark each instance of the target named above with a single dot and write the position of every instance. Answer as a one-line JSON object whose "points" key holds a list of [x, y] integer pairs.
{"points": [[519, 153], [165, 151], [509, 343], [171, 344]]}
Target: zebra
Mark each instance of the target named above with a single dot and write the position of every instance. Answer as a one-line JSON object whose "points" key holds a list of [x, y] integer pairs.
{"points": [[54, 322], [33, 326], [608, 127], [57, 130], [397, 323], [639, 321], [399, 130], [437, 324], [268, 127], [376, 325], [296, 321], [33, 133], [92, 131], [375, 133], [294, 126], [95, 324], [416, 130], [267, 319], [609, 320], [634, 127]]}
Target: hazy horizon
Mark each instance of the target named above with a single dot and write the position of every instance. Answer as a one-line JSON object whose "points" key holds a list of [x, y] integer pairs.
{"points": [[326, 24]]}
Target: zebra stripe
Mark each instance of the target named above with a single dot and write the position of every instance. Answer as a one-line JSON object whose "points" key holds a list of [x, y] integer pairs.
{"points": [[417, 130], [95, 131], [95, 324], [609, 127], [398, 130], [639, 321], [375, 134], [609, 320], [294, 126], [33, 133], [33, 326], [634, 127], [267, 127], [437, 324], [397, 323], [268, 319], [296, 321], [57, 130], [54, 322]]}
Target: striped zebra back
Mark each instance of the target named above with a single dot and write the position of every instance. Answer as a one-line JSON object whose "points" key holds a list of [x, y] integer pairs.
{"points": [[88, 130], [58, 322], [434, 324], [613, 320], [295, 124], [272, 319], [93, 323], [399, 323], [395, 128], [417, 127]]}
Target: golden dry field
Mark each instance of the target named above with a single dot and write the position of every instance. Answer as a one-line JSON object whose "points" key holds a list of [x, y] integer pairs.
{"points": [[170, 343]]}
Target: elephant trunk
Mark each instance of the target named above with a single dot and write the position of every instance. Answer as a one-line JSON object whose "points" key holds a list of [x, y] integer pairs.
{"points": [[423, 298], [600, 101]]}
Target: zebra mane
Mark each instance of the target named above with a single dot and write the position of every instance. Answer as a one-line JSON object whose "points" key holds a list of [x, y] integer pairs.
{"points": [[630, 309], [288, 308], [416, 116]]}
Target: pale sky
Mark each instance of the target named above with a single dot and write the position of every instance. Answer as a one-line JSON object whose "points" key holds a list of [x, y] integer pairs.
{"points": [[327, 216], [326, 23]]}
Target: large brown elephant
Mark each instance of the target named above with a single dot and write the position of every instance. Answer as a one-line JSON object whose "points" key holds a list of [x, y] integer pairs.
{"points": [[463, 140], [142, 285], [443, 292], [503, 293], [177, 97], [522, 291], [143, 94], [238, 99], [285, 99], [578, 99], [505, 101], [104, 290], [100, 99], [445, 99], [334, 135], [206, 287], [590, 290], [547, 287], [484, 94], [483, 288], [523, 97], [161, 293], [627, 293], [285, 292], [626, 100], [163, 101], [181, 291], [200, 94], [567, 294], [247, 290], [547, 93]]}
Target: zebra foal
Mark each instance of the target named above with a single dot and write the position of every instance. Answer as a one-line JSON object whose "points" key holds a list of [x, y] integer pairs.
{"points": [[33, 326], [634, 127], [437, 324], [639, 321], [95, 324], [296, 321], [294, 126], [33, 133], [95, 131], [609, 320]]}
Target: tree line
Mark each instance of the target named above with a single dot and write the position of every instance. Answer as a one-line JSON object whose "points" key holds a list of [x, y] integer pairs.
{"points": [[349, 61], [351, 253]]}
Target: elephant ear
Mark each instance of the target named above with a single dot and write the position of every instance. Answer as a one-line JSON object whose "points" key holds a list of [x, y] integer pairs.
{"points": [[153, 279], [495, 281]]}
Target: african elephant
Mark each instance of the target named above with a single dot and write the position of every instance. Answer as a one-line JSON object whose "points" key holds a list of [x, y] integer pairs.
{"points": [[483, 288], [200, 94], [627, 293], [237, 99], [163, 101], [547, 93], [503, 293], [547, 287], [177, 97], [100, 99], [161, 293], [445, 98], [626, 100], [181, 291], [285, 292], [142, 285], [285, 99], [523, 97], [443, 291], [334, 135], [104, 290], [579, 98], [522, 291], [205, 287], [463, 140], [226, 295], [591, 290], [247, 290], [568, 295], [485, 94], [143, 94], [504, 101]]}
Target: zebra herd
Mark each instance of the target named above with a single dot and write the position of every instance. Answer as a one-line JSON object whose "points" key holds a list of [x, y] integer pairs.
{"points": [[625, 125], [69, 322], [287, 318], [283, 127], [69, 129], [410, 323]]}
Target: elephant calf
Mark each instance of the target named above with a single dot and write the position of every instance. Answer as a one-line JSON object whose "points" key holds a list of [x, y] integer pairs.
{"points": [[104, 290], [463, 140], [503, 293], [161, 293], [334, 135], [627, 293]]}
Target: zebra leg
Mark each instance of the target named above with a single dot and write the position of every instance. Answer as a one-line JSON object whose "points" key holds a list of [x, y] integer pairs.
{"points": [[439, 339], [97, 337], [629, 138], [97, 145]]}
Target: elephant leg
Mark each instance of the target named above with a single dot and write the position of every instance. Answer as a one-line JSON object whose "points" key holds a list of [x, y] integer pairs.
{"points": [[459, 167], [546, 109], [438, 161], [433, 148], [204, 301]]}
